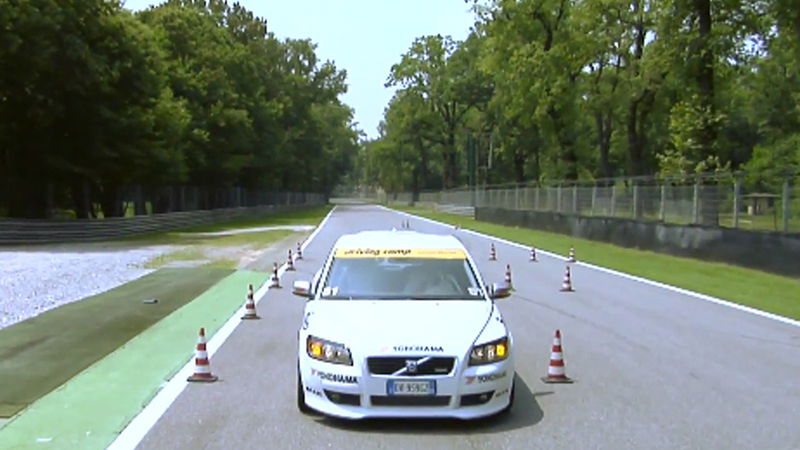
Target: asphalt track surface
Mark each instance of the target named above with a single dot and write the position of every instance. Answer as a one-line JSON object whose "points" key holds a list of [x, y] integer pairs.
{"points": [[653, 368]]}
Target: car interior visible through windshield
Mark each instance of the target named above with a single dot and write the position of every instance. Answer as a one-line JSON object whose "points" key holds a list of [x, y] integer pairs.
{"points": [[401, 278]]}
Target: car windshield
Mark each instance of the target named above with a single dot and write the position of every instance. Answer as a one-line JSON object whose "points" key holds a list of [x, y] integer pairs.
{"points": [[400, 278]]}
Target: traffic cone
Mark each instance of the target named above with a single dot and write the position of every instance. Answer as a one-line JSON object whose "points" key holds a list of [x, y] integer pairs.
{"points": [[508, 274], [493, 253], [571, 257], [566, 285], [290, 261], [275, 281], [250, 305], [202, 366], [555, 371], [533, 255], [299, 253]]}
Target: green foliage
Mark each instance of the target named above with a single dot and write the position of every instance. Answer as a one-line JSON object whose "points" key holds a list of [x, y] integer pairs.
{"points": [[190, 91], [555, 89]]}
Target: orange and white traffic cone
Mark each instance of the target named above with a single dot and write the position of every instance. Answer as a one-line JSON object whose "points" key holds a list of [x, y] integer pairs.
{"points": [[493, 253], [250, 306], [571, 257], [555, 371], [566, 285], [299, 253], [274, 280], [202, 366], [533, 255], [508, 274], [290, 261]]}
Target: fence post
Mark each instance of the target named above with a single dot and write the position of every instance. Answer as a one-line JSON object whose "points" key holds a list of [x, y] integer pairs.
{"points": [[594, 197], [536, 199], [737, 199], [662, 207], [636, 209], [696, 201], [575, 199], [558, 198], [613, 200], [516, 196], [786, 202]]}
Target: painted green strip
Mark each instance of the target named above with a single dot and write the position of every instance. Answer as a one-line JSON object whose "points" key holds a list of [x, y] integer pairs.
{"points": [[41, 353], [89, 411]]}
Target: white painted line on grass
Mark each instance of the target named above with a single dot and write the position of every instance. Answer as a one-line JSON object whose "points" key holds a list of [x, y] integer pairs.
{"points": [[138, 428], [669, 287]]}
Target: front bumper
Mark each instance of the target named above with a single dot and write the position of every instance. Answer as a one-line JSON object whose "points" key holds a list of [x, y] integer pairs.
{"points": [[353, 392]]}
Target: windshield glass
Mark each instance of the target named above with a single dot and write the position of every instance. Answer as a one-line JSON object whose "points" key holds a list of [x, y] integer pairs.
{"points": [[379, 278]]}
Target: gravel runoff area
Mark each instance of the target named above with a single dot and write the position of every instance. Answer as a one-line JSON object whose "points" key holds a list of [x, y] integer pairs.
{"points": [[36, 279]]}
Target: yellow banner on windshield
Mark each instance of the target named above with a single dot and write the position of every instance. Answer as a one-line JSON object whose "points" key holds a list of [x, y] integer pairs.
{"points": [[426, 253]]}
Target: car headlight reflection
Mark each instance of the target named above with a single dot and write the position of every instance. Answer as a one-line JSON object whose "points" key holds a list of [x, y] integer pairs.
{"points": [[328, 351], [490, 352]]}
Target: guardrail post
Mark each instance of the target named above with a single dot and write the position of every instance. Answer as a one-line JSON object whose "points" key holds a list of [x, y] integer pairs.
{"points": [[696, 202], [662, 207], [786, 203], [737, 200]]}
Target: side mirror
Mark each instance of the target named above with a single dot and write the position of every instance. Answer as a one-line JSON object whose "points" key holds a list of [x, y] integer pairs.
{"points": [[302, 289], [500, 290]]}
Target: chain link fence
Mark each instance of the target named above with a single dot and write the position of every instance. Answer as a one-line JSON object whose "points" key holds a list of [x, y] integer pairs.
{"points": [[764, 201]]}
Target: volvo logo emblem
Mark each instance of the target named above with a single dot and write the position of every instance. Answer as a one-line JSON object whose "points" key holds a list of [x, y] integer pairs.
{"points": [[411, 366]]}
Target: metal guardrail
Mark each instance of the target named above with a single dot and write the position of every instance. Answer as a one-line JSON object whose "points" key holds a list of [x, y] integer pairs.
{"points": [[33, 231]]}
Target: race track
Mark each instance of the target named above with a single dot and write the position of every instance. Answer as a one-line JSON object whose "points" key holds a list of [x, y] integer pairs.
{"points": [[654, 368]]}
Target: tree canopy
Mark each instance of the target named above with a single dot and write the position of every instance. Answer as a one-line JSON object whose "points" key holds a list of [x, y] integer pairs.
{"points": [[94, 98], [587, 90]]}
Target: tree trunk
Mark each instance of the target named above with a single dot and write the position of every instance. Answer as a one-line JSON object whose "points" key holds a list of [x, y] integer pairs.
{"points": [[705, 77], [604, 130]]}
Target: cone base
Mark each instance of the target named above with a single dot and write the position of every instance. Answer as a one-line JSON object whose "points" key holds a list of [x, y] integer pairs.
{"points": [[564, 380], [290, 269], [203, 378], [246, 317], [566, 290]]}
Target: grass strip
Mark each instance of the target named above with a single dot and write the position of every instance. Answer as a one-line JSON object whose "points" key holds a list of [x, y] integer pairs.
{"points": [[39, 354], [90, 410], [761, 290]]}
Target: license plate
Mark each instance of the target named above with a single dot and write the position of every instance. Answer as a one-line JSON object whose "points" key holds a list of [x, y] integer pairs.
{"points": [[401, 387]]}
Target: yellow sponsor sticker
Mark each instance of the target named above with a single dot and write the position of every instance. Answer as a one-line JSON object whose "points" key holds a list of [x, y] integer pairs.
{"points": [[428, 253]]}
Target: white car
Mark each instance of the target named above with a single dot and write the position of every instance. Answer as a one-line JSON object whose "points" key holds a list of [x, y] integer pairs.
{"points": [[400, 324]]}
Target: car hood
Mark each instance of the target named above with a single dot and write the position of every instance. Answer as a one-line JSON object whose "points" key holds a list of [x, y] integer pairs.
{"points": [[399, 327]]}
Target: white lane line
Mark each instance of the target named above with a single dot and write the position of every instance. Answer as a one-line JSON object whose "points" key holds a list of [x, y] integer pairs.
{"points": [[669, 287], [138, 428]]}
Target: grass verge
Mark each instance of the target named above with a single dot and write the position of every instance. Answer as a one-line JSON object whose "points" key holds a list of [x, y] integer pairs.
{"points": [[32, 352], [765, 291], [88, 411]]}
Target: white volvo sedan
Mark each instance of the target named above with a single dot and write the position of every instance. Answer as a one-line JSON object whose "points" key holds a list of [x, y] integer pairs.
{"points": [[400, 324]]}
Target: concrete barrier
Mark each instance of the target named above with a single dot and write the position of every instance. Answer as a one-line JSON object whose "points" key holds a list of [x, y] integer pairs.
{"points": [[771, 252]]}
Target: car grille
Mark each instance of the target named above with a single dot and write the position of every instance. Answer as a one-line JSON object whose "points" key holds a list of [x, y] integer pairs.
{"points": [[387, 365], [411, 400]]}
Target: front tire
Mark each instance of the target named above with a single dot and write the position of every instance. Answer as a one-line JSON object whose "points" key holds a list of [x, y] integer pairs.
{"points": [[301, 395]]}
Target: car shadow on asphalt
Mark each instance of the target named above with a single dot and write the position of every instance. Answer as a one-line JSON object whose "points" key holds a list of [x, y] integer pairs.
{"points": [[526, 412]]}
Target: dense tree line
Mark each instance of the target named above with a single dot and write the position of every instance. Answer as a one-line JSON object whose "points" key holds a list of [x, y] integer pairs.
{"points": [[581, 90], [94, 98]]}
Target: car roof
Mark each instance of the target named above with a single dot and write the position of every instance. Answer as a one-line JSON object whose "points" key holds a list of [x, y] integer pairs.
{"points": [[398, 239]]}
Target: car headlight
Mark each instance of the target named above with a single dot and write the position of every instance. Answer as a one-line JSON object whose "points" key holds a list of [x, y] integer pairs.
{"points": [[490, 352], [328, 351]]}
